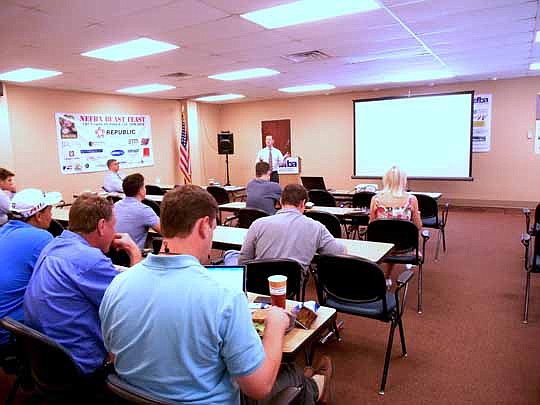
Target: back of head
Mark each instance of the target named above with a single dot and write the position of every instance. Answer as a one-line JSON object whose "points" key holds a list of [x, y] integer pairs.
{"points": [[395, 182], [132, 184], [5, 173], [182, 207], [86, 212], [261, 168], [294, 194]]}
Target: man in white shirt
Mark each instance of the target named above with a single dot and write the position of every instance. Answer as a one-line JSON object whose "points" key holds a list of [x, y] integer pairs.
{"points": [[273, 157], [7, 190], [113, 178]]}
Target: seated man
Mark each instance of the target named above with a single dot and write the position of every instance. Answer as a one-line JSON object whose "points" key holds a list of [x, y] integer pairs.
{"points": [[196, 342], [70, 278], [261, 192], [289, 233], [132, 216], [113, 179], [21, 241], [7, 189]]}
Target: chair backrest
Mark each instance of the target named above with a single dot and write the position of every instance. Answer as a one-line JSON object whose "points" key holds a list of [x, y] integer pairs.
{"points": [[114, 198], [246, 216], [258, 271], [52, 367], [427, 206], [154, 190], [362, 199], [55, 228], [322, 198], [132, 394], [152, 204], [330, 221], [403, 234], [537, 214], [350, 279], [219, 193]]}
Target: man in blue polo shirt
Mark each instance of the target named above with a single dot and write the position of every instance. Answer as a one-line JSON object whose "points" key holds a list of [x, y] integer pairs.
{"points": [[70, 277], [132, 216], [21, 242]]}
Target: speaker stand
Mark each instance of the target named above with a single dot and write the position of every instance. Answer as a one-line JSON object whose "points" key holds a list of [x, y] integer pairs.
{"points": [[227, 164]]}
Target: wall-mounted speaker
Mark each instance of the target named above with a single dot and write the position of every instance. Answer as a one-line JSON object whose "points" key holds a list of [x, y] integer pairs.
{"points": [[225, 143]]}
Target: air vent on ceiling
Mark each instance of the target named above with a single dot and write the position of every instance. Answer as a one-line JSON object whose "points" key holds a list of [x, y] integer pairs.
{"points": [[309, 56], [177, 75]]}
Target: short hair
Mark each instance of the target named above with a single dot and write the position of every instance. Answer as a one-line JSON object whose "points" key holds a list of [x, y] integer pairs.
{"points": [[86, 212], [184, 206], [110, 162], [293, 194], [5, 173], [132, 184], [261, 168], [395, 181]]}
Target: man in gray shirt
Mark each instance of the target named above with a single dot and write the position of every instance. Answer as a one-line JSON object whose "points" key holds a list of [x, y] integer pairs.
{"points": [[132, 216], [261, 192], [289, 234]]}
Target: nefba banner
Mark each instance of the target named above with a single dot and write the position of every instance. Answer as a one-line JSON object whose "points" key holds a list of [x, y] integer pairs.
{"points": [[86, 141], [482, 122]]}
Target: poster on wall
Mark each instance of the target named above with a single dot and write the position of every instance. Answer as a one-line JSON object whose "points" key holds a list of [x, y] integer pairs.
{"points": [[86, 141], [482, 122]]}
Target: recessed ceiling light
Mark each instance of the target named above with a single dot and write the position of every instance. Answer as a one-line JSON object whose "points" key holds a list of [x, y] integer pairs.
{"points": [[309, 87], [146, 88], [537, 37], [27, 75], [306, 11], [245, 74], [131, 49], [532, 66], [420, 76], [220, 97]]}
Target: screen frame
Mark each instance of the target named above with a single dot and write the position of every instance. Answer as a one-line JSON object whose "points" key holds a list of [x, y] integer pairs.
{"points": [[468, 178]]}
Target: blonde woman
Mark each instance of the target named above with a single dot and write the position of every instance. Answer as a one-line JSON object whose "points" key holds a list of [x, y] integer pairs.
{"points": [[394, 202]]}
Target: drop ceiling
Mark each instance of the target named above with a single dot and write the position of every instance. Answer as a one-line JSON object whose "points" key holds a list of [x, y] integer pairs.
{"points": [[474, 39]]}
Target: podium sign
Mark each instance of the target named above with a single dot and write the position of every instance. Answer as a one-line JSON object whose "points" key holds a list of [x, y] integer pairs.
{"points": [[291, 166]]}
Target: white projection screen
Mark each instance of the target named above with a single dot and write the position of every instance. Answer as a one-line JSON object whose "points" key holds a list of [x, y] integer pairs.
{"points": [[429, 136]]}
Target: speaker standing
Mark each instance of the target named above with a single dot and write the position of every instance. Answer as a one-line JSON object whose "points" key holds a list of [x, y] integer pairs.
{"points": [[273, 157]]}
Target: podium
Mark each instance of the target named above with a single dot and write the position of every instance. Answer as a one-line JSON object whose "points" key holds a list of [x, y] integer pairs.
{"points": [[290, 172]]}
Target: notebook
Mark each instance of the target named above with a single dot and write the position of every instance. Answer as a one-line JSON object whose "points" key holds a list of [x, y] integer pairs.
{"points": [[232, 277], [313, 183]]}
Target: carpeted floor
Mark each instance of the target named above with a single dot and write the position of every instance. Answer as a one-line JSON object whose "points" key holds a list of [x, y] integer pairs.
{"points": [[469, 346]]}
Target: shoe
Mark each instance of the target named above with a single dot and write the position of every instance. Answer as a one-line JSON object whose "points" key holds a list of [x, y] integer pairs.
{"points": [[325, 367]]}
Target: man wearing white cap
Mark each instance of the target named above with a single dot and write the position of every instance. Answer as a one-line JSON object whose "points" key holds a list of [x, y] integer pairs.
{"points": [[21, 242]]}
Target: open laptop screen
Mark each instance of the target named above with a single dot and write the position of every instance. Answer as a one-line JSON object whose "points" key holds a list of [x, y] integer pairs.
{"points": [[232, 277], [313, 183]]}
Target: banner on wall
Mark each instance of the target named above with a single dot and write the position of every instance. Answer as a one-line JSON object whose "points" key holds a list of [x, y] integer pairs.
{"points": [[86, 141], [482, 122]]}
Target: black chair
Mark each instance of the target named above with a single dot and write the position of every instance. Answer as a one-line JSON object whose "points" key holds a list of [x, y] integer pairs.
{"points": [[54, 373], [429, 213], [130, 394], [532, 256], [404, 235], [362, 199], [119, 257], [154, 190], [152, 204], [258, 271], [358, 221], [114, 198], [322, 198], [246, 216], [55, 228], [357, 286], [330, 221], [219, 193]]}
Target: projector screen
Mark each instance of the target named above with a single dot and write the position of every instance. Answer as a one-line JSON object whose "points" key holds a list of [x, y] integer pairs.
{"points": [[430, 137]]}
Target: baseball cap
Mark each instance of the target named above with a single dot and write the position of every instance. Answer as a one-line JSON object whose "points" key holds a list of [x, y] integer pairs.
{"points": [[29, 201]]}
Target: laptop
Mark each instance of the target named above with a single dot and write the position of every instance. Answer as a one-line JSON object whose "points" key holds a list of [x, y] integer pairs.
{"points": [[313, 183], [232, 277]]}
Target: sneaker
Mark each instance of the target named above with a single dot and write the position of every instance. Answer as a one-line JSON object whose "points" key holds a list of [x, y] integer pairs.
{"points": [[325, 368]]}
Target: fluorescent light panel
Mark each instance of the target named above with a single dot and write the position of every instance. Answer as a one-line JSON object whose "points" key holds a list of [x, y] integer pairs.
{"points": [[220, 97], [130, 50], [27, 75], [305, 11], [245, 74], [309, 87], [146, 88], [532, 66]]}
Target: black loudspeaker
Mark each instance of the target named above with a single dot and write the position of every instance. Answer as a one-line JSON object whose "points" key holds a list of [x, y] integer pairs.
{"points": [[225, 143]]}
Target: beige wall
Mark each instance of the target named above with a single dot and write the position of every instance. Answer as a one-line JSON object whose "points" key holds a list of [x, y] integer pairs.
{"points": [[33, 135], [6, 151], [322, 132]]}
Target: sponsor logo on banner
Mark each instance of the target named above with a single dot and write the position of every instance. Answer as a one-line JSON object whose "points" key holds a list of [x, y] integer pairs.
{"points": [[133, 150], [91, 150], [117, 152], [145, 141], [133, 141], [146, 152], [93, 143], [100, 132]]}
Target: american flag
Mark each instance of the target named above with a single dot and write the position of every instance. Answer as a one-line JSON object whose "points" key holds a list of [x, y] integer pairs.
{"points": [[184, 154]]}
